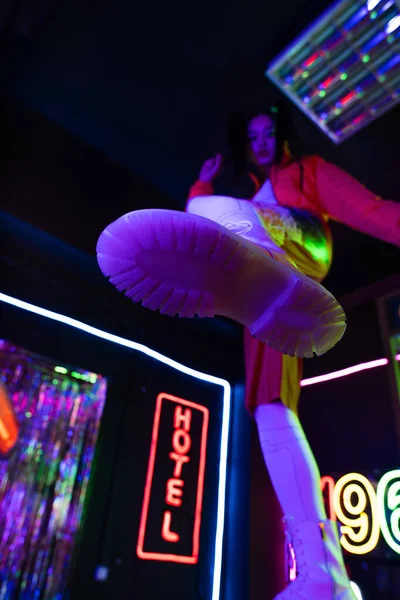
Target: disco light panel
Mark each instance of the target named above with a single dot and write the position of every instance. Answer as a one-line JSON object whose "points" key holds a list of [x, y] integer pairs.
{"points": [[344, 71]]}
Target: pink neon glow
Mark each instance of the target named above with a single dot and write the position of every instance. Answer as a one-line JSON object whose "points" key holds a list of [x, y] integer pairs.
{"points": [[328, 483], [347, 98], [397, 357], [327, 82], [311, 60], [359, 119], [293, 566], [380, 362]]}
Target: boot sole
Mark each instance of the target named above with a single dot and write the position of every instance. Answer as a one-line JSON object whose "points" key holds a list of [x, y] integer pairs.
{"points": [[186, 265]]}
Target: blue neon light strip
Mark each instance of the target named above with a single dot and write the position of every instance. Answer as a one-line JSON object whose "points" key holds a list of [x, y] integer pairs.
{"points": [[359, 15], [115, 339]]}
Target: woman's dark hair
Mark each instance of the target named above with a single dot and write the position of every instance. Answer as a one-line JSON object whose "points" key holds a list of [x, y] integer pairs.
{"points": [[237, 136]]}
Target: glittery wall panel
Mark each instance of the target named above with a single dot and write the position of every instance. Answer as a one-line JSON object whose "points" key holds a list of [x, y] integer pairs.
{"points": [[44, 479]]}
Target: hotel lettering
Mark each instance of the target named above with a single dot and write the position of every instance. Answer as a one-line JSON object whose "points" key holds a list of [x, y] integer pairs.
{"points": [[173, 493]]}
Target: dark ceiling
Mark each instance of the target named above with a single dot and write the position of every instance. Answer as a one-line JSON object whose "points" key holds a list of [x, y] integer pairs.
{"points": [[151, 86]]}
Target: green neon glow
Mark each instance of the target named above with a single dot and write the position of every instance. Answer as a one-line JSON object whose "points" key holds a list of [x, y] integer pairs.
{"points": [[322, 94], [366, 58], [382, 78], [54, 381], [28, 415], [319, 253], [305, 74], [343, 76], [90, 377], [62, 370], [374, 15], [337, 111], [390, 483]]}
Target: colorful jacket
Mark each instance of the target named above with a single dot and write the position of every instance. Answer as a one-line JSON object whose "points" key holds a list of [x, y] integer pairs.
{"points": [[328, 192]]}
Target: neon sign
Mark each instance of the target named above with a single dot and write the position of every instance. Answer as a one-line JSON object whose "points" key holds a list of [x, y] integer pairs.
{"points": [[176, 466], [365, 509], [388, 497], [173, 364]]}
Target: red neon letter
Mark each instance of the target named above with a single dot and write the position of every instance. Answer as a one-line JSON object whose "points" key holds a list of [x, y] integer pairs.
{"points": [[174, 493], [179, 446], [180, 460], [168, 535], [184, 418]]}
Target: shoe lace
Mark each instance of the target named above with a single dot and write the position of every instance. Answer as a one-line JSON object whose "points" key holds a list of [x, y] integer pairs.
{"points": [[295, 551]]}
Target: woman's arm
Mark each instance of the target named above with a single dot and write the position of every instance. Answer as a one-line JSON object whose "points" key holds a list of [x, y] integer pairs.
{"points": [[208, 172], [201, 188], [346, 200]]}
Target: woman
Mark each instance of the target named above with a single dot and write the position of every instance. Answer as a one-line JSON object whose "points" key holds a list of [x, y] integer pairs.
{"points": [[294, 200], [259, 262]]}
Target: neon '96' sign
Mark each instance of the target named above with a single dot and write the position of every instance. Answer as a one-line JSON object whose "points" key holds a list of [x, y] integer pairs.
{"points": [[367, 511]]}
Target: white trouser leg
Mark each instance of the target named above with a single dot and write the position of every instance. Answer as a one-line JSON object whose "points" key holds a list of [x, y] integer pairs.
{"points": [[290, 462], [296, 480], [236, 215]]}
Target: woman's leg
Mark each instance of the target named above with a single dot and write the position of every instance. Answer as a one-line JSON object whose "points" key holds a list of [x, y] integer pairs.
{"points": [[239, 216], [290, 462], [296, 479], [187, 264]]}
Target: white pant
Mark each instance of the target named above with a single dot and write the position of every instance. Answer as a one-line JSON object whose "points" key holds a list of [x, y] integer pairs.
{"points": [[290, 462], [239, 216]]}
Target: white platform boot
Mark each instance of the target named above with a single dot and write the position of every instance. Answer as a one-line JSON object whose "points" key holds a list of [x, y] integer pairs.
{"points": [[321, 573], [218, 260], [239, 216]]}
